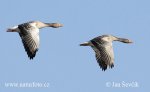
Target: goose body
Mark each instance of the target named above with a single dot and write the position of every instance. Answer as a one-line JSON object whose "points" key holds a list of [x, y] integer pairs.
{"points": [[103, 48], [29, 33]]}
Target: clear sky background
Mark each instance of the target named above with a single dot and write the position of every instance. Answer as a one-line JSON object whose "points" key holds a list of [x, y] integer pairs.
{"points": [[60, 60]]}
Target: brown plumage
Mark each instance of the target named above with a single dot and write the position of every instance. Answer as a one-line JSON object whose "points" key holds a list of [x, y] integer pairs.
{"points": [[29, 33], [103, 48]]}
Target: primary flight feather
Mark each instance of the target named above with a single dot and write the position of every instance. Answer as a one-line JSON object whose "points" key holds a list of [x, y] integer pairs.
{"points": [[29, 33], [102, 45]]}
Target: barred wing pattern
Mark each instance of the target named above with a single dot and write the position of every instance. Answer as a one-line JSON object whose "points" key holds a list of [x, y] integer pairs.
{"points": [[30, 39], [104, 56]]}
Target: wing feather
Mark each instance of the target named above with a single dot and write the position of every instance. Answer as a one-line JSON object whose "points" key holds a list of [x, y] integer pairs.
{"points": [[104, 57], [30, 39]]}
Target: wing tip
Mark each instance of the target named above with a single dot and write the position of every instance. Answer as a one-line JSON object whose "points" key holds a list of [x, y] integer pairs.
{"points": [[104, 66], [111, 66], [32, 55]]}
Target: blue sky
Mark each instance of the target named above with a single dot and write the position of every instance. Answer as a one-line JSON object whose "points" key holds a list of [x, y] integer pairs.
{"points": [[60, 60]]}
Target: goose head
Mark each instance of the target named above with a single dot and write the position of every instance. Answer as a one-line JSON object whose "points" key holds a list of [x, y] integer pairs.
{"points": [[125, 40], [53, 25], [110, 38]]}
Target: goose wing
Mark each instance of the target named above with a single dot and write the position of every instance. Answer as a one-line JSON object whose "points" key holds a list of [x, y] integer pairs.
{"points": [[104, 54], [30, 39]]}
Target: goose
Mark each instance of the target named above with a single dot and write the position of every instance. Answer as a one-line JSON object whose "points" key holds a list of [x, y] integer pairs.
{"points": [[29, 33], [102, 45]]}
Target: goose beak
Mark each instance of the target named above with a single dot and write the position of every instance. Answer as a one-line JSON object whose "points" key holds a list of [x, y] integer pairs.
{"points": [[57, 25], [130, 41], [61, 25]]}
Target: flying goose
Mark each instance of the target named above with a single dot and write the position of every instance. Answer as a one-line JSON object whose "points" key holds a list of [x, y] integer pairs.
{"points": [[29, 33], [102, 45]]}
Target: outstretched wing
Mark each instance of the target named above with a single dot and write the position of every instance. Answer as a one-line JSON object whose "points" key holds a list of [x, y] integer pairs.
{"points": [[30, 39], [104, 54]]}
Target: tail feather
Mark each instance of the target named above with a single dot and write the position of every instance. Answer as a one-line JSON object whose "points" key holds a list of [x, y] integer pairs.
{"points": [[85, 44]]}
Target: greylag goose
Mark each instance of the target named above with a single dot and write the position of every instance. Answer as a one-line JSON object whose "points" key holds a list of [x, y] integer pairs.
{"points": [[29, 33], [102, 45]]}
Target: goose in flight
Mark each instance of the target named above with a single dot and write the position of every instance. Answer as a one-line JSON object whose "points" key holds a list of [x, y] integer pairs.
{"points": [[29, 33], [102, 45]]}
